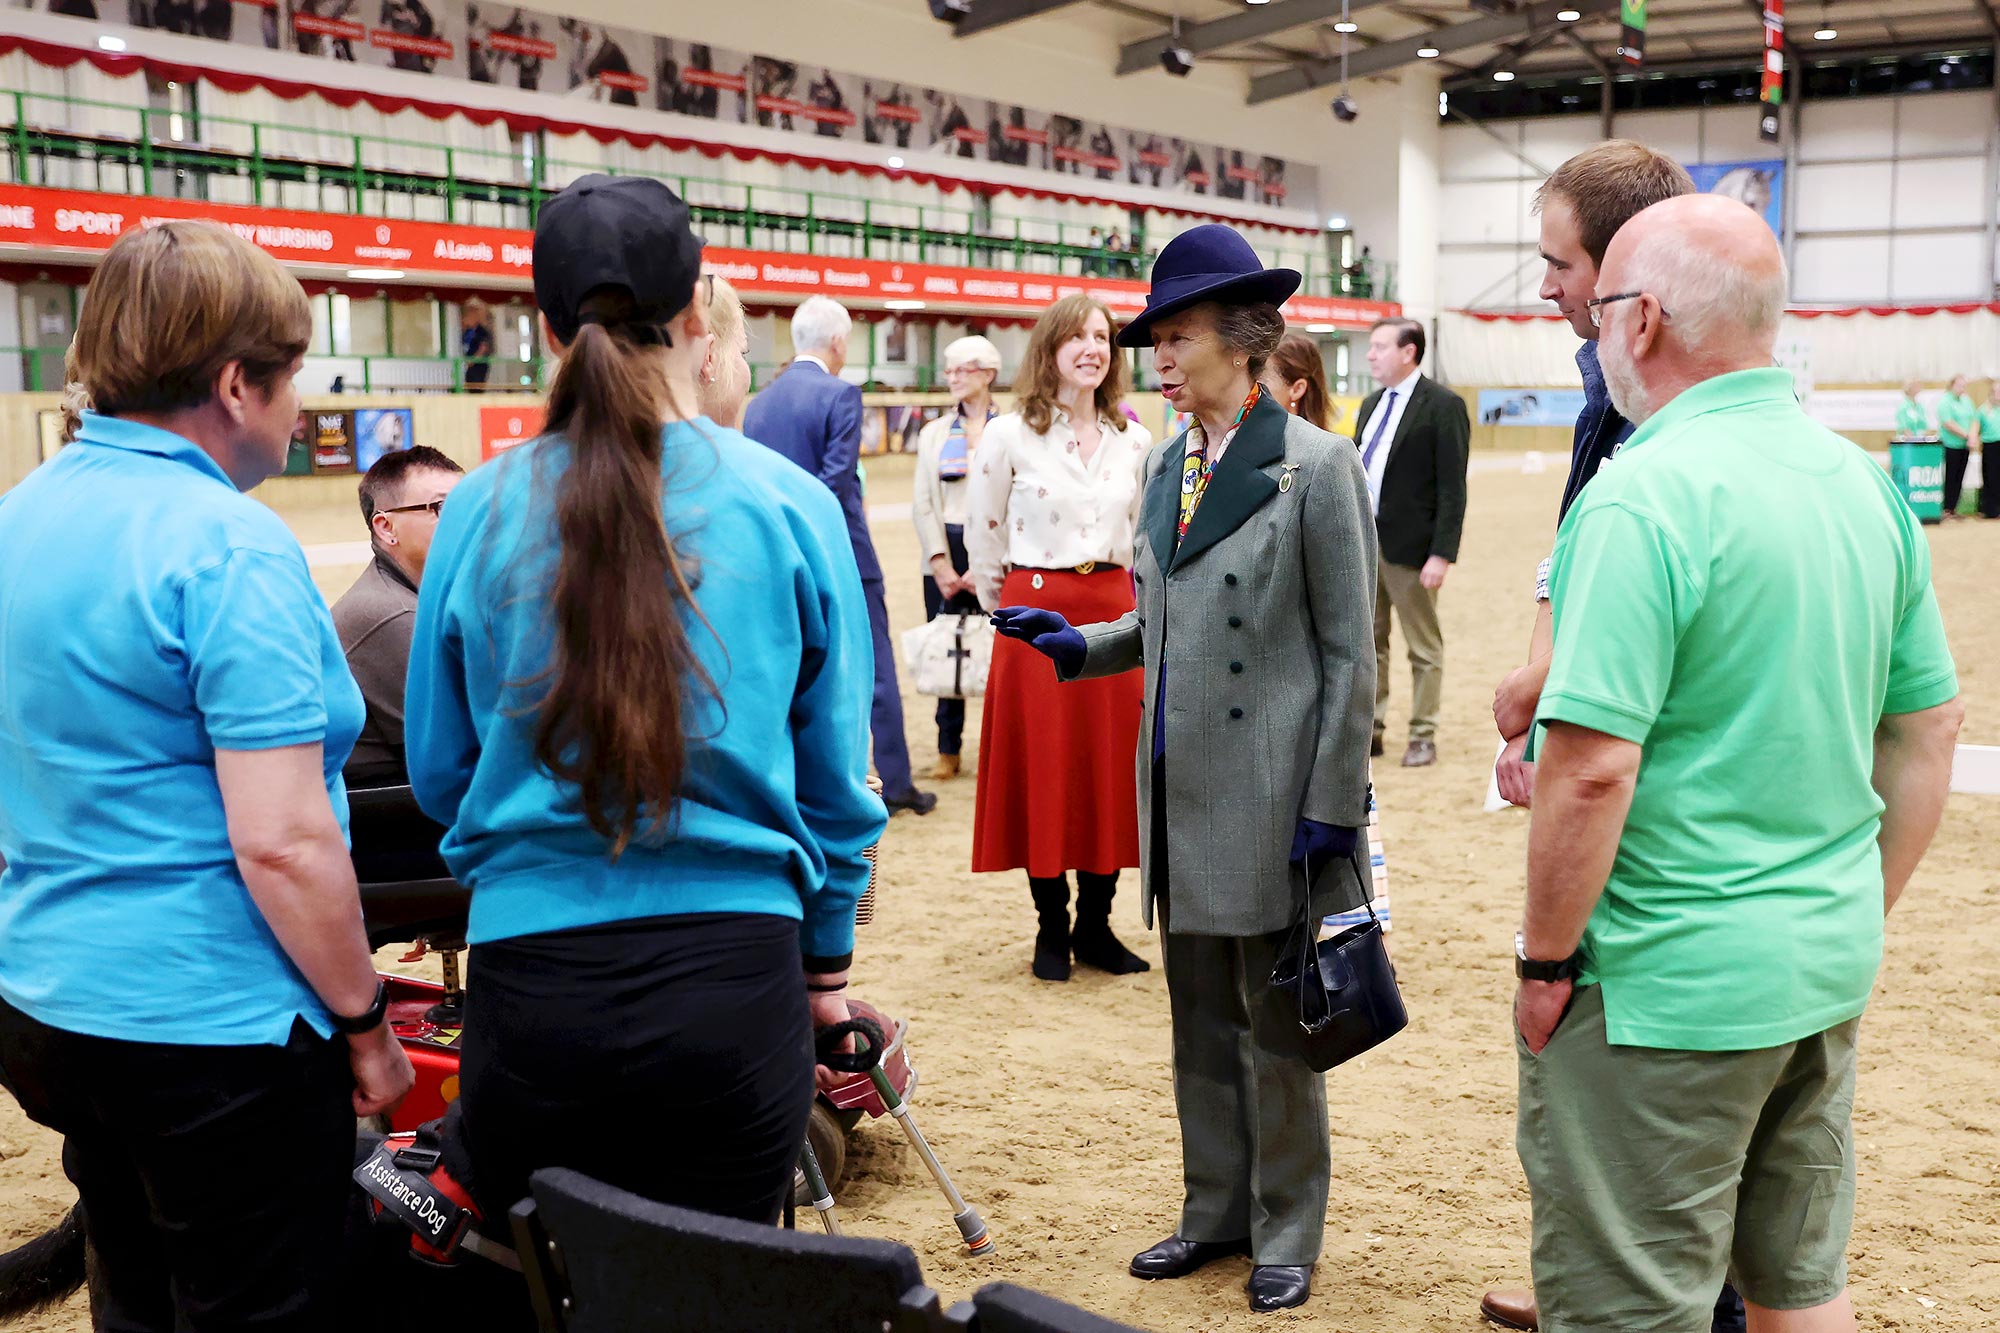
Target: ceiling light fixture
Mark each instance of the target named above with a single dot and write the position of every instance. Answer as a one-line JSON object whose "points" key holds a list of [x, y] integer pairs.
{"points": [[380, 274], [1177, 60], [1568, 15], [902, 305], [1336, 223], [895, 164], [1347, 25], [111, 43], [1345, 109], [950, 11], [1320, 328], [1826, 32], [1504, 76], [1428, 53]]}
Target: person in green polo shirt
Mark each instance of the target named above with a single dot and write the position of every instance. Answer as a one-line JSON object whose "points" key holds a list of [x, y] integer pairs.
{"points": [[1912, 422], [1746, 742], [1989, 436], [1958, 427]]}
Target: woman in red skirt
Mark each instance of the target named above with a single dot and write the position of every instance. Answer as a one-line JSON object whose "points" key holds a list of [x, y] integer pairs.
{"points": [[1053, 506]]}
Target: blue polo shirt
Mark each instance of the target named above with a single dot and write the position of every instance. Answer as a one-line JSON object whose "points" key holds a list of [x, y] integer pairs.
{"points": [[151, 615]]}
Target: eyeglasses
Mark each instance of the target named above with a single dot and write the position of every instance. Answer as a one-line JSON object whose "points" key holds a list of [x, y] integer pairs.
{"points": [[1596, 307], [434, 506]]}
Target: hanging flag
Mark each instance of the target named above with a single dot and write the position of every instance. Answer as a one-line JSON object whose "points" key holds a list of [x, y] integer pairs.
{"points": [[1632, 38], [1771, 95]]}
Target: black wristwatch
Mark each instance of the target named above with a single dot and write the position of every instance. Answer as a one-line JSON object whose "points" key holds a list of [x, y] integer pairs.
{"points": [[369, 1021], [1539, 969]]}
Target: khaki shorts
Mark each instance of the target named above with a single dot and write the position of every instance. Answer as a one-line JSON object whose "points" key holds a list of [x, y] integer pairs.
{"points": [[1657, 1173]]}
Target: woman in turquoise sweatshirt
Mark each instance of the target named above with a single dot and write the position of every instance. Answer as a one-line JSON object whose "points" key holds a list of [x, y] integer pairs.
{"points": [[638, 700]]}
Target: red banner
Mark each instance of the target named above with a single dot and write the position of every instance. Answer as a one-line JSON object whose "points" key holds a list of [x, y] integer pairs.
{"points": [[501, 428], [83, 223], [344, 29], [383, 39], [513, 44]]}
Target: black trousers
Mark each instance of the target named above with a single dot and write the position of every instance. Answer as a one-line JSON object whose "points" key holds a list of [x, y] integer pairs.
{"points": [[1955, 461], [670, 1056], [1989, 479], [950, 712], [214, 1179]]}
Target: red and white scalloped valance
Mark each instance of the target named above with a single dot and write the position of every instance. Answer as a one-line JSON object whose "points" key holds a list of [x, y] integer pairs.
{"points": [[58, 56], [1797, 312]]}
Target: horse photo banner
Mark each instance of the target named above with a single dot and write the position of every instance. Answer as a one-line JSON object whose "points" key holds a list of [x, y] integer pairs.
{"points": [[517, 47]]}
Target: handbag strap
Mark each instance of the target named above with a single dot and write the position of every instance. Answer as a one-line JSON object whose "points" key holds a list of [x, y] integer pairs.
{"points": [[1308, 939]]}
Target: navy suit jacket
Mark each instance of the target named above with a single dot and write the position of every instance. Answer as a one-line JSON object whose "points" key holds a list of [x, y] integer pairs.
{"points": [[814, 419]]}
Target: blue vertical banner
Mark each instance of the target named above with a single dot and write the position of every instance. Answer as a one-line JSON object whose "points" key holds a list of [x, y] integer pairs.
{"points": [[1761, 185]]}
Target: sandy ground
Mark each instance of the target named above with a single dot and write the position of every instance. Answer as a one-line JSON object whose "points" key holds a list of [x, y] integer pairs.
{"points": [[1052, 1107]]}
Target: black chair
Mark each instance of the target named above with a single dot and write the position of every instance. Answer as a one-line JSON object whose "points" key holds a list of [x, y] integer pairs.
{"points": [[406, 891], [600, 1260], [1002, 1307]]}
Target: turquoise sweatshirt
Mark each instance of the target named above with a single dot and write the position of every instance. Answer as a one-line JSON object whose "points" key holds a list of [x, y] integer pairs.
{"points": [[775, 809]]}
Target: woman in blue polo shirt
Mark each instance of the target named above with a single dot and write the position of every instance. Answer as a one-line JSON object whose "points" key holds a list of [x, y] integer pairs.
{"points": [[180, 936], [638, 699]]}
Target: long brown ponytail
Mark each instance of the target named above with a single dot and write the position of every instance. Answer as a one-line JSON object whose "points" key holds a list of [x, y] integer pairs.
{"points": [[614, 719]]}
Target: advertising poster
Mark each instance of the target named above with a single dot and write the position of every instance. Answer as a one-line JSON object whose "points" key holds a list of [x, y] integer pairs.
{"points": [[955, 126], [1761, 185], [604, 64], [1149, 160], [299, 455], [332, 443], [502, 428], [890, 115], [508, 45], [1530, 407], [381, 430], [254, 22], [700, 80]]}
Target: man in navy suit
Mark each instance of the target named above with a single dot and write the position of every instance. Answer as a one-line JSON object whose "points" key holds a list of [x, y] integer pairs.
{"points": [[811, 416]]}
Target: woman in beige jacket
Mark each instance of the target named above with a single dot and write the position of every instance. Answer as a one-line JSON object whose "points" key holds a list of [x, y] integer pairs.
{"points": [[944, 457]]}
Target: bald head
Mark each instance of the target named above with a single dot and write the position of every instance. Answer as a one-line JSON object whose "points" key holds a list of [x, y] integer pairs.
{"points": [[1711, 285]]}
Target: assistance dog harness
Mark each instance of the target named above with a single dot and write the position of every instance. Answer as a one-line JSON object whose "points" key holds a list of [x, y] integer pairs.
{"points": [[408, 1180]]}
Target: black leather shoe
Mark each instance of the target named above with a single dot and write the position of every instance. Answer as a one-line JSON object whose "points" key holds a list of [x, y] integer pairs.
{"points": [[1174, 1257], [1375, 748], [916, 802], [1278, 1286]]}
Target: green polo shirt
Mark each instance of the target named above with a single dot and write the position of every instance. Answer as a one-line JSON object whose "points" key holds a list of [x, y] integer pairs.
{"points": [[1989, 427], [1743, 594], [1911, 419], [1957, 410]]}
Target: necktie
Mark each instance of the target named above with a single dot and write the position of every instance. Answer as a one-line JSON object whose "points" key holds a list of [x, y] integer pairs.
{"points": [[1381, 427]]}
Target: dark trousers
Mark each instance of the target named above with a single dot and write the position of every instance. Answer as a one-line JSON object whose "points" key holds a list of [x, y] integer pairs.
{"points": [[1989, 479], [892, 752], [1955, 461], [671, 1057], [950, 712], [214, 1179]]}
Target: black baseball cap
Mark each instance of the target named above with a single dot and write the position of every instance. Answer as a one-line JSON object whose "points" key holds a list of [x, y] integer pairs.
{"points": [[614, 231]]}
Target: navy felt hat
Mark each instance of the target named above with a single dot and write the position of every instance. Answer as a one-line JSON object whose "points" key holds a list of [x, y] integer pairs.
{"points": [[1207, 263]]}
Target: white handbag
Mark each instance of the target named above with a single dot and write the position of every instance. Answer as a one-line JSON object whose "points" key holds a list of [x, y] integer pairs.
{"points": [[948, 657]]}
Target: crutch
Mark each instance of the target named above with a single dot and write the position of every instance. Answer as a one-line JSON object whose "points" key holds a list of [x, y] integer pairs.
{"points": [[869, 1059], [822, 1197]]}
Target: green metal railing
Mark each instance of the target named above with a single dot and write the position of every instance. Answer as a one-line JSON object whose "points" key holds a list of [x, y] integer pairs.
{"points": [[224, 159]]}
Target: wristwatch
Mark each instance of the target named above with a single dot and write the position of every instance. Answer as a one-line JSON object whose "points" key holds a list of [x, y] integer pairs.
{"points": [[369, 1021], [1539, 969]]}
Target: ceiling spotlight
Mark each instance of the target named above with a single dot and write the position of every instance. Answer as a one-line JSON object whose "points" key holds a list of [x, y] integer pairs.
{"points": [[1347, 25], [1321, 328], [1504, 76], [1826, 34], [1568, 15], [1177, 61], [950, 11], [1336, 223], [111, 43], [1256, 2], [902, 305], [895, 164], [1346, 109], [1428, 53], [378, 274]]}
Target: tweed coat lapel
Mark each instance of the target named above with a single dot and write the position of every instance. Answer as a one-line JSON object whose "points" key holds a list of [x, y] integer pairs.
{"points": [[1238, 487]]}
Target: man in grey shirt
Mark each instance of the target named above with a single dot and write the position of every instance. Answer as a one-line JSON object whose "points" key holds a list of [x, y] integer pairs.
{"points": [[400, 498]]}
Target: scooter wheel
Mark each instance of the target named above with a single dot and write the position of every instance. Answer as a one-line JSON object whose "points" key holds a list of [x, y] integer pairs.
{"points": [[829, 1145]]}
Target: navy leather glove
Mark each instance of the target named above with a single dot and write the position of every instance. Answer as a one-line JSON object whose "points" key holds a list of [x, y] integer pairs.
{"points": [[1322, 844], [1044, 631]]}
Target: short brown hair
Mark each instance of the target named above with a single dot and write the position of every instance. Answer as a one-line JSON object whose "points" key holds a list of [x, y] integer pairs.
{"points": [[174, 303], [1610, 183], [1409, 333], [1038, 382]]}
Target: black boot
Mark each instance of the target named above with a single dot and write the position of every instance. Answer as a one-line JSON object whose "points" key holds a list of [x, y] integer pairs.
{"points": [[1092, 942], [1052, 938]]}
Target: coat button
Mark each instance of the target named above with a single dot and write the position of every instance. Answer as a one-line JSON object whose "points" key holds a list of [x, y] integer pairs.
{"points": [[1236, 668], [1236, 622], [1229, 579], [1236, 712]]}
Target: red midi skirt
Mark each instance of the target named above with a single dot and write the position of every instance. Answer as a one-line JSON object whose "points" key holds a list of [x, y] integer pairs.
{"points": [[1058, 788]]}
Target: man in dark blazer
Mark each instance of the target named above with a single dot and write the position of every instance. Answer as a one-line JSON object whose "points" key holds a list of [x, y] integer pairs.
{"points": [[813, 417], [1413, 434]]}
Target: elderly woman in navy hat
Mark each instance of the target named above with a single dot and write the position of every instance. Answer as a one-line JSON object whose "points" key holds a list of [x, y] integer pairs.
{"points": [[1255, 572]]}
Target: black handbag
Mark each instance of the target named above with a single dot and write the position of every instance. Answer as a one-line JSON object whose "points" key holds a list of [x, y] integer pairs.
{"points": [[1344, 987]]}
